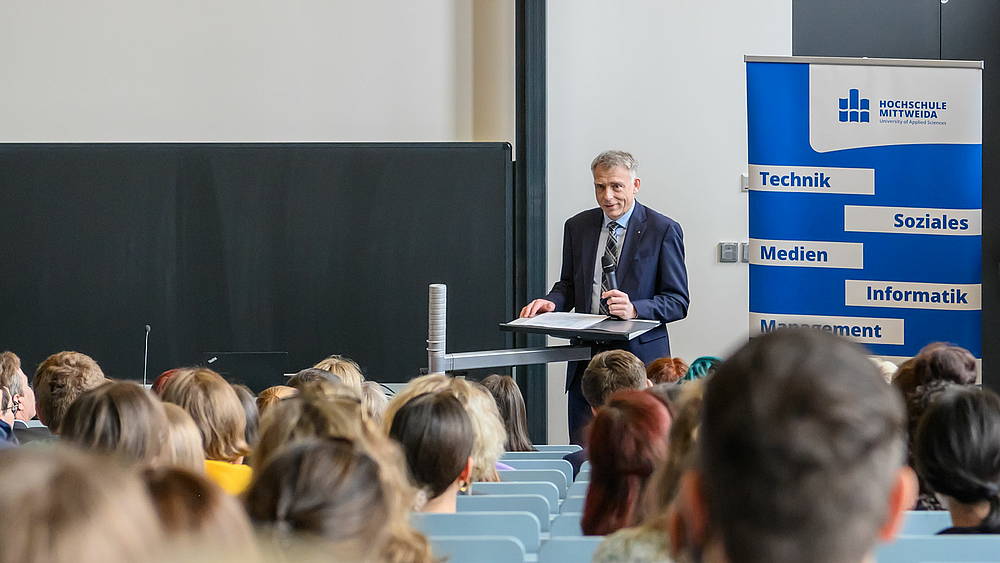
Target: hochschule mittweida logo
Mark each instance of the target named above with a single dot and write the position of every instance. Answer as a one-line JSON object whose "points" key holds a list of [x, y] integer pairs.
{"points": [[854, 108]]}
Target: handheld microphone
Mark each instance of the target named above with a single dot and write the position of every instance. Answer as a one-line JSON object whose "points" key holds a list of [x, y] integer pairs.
{"points": [[608, 265], [145, 357]]}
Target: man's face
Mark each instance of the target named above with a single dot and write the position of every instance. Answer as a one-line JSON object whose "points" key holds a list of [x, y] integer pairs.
{"points": [[615, 190], [27, 411]]}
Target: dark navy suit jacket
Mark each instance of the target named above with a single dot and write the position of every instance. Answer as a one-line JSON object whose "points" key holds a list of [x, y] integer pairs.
{"points": [[651, 271]]}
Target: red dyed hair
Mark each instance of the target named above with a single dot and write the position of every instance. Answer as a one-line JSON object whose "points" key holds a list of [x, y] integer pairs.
{"points": [[628, 440], [160, 382], [666, 370]]}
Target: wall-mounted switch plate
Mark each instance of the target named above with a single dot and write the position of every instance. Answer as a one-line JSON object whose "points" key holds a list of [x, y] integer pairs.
{"points": [[729, 252], [744, 183], [744, 252]]}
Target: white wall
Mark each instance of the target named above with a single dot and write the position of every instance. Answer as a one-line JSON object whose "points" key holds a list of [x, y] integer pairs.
{"points": [[664, 80], [236, 70]]}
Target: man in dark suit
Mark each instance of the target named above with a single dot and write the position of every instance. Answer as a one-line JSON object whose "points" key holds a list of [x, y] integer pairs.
{"points": [[648, 250]]}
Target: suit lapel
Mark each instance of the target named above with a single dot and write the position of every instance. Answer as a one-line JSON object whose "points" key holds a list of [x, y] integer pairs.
{"points": [[636, 228], [592, 235]]}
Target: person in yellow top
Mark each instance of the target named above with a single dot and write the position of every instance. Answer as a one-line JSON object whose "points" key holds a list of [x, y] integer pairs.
{"points": [[218, 413]]}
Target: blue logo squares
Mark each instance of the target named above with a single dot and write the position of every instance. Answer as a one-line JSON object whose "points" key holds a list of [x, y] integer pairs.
{"points": [[854, 108]]}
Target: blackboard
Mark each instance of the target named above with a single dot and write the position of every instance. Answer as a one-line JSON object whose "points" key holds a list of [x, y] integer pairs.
{"points": [[312, 249]]}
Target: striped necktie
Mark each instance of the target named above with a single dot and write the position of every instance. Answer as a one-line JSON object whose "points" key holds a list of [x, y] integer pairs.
{"points": [[610, 249]]}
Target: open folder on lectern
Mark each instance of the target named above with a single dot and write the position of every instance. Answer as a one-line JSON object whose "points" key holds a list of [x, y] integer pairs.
{"points": [[580, 325]]}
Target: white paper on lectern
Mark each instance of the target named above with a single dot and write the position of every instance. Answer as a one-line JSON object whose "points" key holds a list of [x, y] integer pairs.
{"points": [[567, 321]]}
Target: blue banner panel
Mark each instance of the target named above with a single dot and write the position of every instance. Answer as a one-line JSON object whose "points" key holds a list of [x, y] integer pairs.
{"points": [[866, 201]]}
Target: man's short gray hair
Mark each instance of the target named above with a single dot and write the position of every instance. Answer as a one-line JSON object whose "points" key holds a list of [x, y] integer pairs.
{"points": [[616, 159]]}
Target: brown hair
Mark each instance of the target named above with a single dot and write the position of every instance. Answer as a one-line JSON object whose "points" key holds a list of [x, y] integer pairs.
{"points": [[666, 370], [610, 371], [374, 400], [59, 380], [309, 375], [436, 435], [800, 446], [336, 491], [936, 361], [74, 508], [184, 447], [307, 416], [482, 409], [194, 509], [118, 418], [346, 369], [215, 409], [270, 396], [510, 403], [249, 402]]}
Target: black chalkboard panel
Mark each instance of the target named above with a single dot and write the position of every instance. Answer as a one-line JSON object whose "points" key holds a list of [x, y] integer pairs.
{"points": [[312, 249]]}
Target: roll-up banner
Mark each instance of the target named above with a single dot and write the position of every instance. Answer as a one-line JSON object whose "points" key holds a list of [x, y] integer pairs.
{"points": [[866, 199]]}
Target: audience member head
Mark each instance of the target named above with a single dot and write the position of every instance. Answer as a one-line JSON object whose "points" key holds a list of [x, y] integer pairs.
{"points": [[21, 399], [510, 403], [334, 491], [374, 400], [270, 396], [74, 507], [183, 447], [160, 382], [701, 367], [936, 361], [958, 455], [486, 424], [681, 452], [215, 409], [308, 416], [436, 435], [309, 375], [194, 510], [801, 455], [628, 440], [59, 380], [249, 402], [666, 370], [346, 369], [121, 419], [886, 368], [610, 371]]}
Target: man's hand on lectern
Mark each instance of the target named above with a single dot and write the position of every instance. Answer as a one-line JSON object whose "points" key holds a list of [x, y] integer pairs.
{"points": [[537, 306], [619, 304]]}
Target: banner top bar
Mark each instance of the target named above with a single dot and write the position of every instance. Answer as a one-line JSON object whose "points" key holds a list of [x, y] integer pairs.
{"points": [[863, 61]]}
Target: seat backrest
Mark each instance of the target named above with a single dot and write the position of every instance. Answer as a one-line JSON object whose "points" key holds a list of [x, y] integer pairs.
{"points": [[983, 548], [583, 476], [570, 550], [925, 522], [522, 525], [535, 504], [572, 504], [547, 490], [557, 464], [585, 466], [477, 549], [532, 455], [565, 448], [567, 524], [554, 476], [578, 489]]}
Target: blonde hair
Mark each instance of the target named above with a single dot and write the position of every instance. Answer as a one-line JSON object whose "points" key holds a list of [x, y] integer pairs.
{"points": [[272, 395], [103, 511], [346, 369], [184, 447], [374, 400], [118, 418], [59, 380], [215, 409], [487, 426]]}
